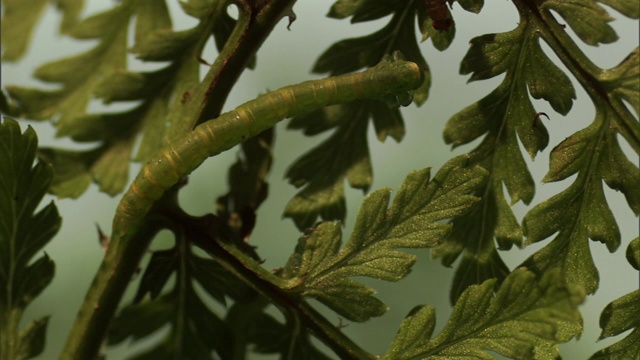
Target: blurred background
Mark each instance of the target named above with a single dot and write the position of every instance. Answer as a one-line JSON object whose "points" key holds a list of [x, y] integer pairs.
{"points": [[286, 58]]}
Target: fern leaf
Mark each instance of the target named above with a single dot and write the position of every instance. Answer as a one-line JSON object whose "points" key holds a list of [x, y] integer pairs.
{"points": [[412, 221], [524, 319], [23, 233]]}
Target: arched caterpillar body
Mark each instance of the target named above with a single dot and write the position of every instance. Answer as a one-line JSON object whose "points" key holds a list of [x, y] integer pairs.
{"points": [[389, 77]]}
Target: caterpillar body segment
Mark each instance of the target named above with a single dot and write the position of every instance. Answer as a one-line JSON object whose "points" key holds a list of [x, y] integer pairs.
{"points": [[389, 77]]}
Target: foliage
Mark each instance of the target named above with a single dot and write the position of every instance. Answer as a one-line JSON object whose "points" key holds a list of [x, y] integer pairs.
{"points": [[464, 211], [621, 315], [522, 320], [23, 233]]}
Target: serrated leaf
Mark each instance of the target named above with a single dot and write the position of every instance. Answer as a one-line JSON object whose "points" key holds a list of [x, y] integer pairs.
{"points": [[362, 10], [23, 234], [569, 250], [518, 52], [163, 44], [627, 348], [473, 6], [587, 18], [627, 8], [345, 155], [101, 72], [412, 221], [151, 15], [415, 331], [581, 211], [138, 321], [398, 35], [322, 171], [473, 236], [624, 80], [621, 315], [107, 166], [71, 10], [254, 329], [523, 320], [80, 75], [72, 171], [215, 280], [181, 308], [32, 339], [160, 268], [620, 173], [505, 118]]}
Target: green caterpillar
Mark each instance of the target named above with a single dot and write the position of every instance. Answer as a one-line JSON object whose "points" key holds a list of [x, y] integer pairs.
{"points": [[390, 77]]}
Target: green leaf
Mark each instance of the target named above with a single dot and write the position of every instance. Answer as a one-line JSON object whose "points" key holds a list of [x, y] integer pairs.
{"points": [[473, 6], [7, 106], [627, 8], [322, 171], [75, 170], [412, 221], [23, 234], [80, 74], [71, 10], [587, 18], [504, 118], [621, 315], [581, 211], [323, 194], [163, 44], [524, 319], [362, 10], [151, 15], [627, 348], [72, 171], [19, 18], [623, 80], [164, 94]]}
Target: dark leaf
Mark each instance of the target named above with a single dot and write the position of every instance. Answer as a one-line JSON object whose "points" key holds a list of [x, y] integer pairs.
{"points": [[23, 233]]}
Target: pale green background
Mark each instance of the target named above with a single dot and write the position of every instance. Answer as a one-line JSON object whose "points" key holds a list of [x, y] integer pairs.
{"points": [[286, 58]]}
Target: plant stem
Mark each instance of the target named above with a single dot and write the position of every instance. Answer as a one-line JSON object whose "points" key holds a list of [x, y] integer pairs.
{"points": [[255, 22], [269, 285], [109, 284]]}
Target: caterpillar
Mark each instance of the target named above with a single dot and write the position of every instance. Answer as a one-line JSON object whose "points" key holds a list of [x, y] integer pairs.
{"points": [[390, 77], [437, 10]]}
